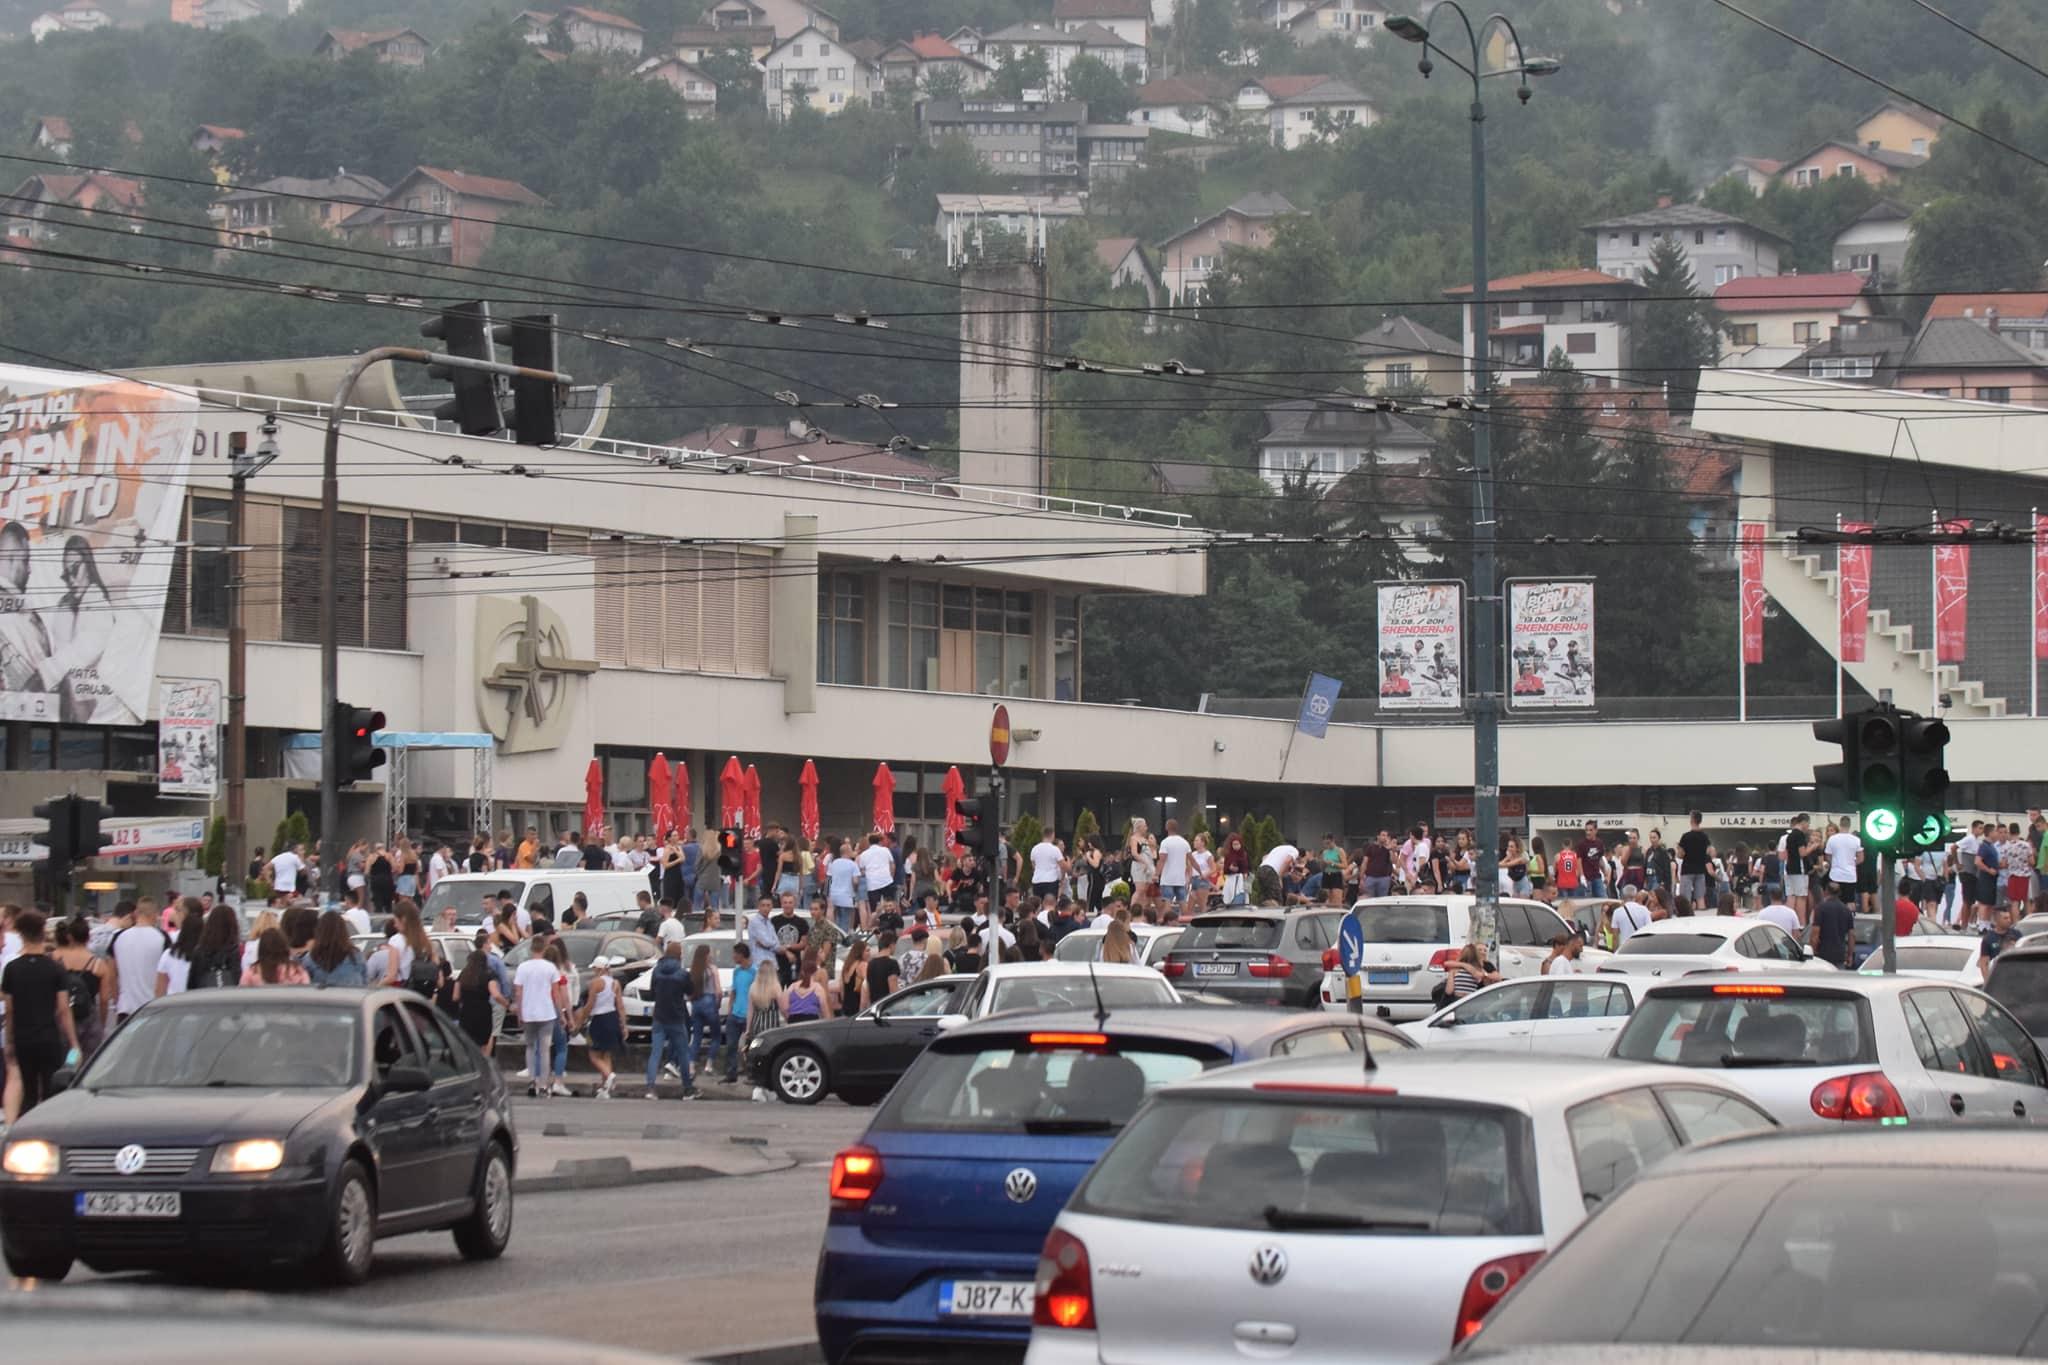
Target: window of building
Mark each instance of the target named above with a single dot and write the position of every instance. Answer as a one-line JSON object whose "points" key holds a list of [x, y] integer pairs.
{"points": [[526, 538], [1635, 239], [1699, 237], [1806, 333], [1400, 374], [1807, 175], [1919, 146], [842, 629], [1066, 648], [1842, 367], [1725, 273], [913, 639], [212, 565], [1580, 343], [1742, 334], [675, 607], [796, 49], [1863, 262], [1846, 171], [1995, 395], [835, 73], [1720, 235]]}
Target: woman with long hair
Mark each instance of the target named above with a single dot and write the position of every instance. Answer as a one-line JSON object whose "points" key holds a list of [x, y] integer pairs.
{"points": [[853, 979], [767, 1003], [917, 870], [86, 978], [273, 965], [477, 996], [334, 960], [1116, 941], [1470, 973], [1539, 864], [409, 944], [1515, 864], [703, 1023], [217, 959], [407, 859], [809, 996], [80, 627], [1237, 870], [934, 967], [381, 874], [267, 919]]}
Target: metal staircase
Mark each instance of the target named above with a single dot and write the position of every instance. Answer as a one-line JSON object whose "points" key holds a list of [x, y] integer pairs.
{"points": [[1801, 582]]}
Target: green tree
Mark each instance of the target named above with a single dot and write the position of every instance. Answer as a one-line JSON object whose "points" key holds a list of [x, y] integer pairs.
{"points": [[1085, 828], [1966, 242], [1017, 72], [1103, 89], [1025, 832], [1674, 333], [738, 79], [213, 854], [558, 35]]}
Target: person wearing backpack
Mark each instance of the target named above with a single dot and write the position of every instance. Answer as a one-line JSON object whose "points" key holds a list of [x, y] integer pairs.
{"points": [[412, 961], [217, 962], [90, 984]]}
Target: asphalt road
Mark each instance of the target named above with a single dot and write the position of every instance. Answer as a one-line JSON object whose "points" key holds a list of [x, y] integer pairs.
{"points": [[690, 1269]]}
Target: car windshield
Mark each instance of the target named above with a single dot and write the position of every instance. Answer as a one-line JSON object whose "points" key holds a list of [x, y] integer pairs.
{"points": [[1931, 957], [1799, 1259], [1734, 1026], [2020, 983], [1322, 1162], [1015, 1086], [1231, 931], [1404, 922], [721, 950], [1080, 991], [475, 901], [1672, 945], [1081, 947], [263, 1046]]}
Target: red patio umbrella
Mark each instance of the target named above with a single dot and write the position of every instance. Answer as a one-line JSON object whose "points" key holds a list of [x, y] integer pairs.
{"points": [[679, 797], [660, 799], [885, 799], [593, 800], [807, 823], [750, 820], [732, 793], [956, 791]]}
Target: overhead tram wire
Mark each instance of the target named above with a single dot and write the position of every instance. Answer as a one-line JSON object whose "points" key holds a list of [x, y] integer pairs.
{"points": [[1991, 43]]}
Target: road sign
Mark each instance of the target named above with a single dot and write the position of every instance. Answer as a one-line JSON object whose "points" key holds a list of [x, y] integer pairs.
{"points": [[1350, 945], [999, 736]]}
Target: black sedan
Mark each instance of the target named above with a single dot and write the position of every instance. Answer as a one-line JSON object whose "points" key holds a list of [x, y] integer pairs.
{"points": [[857, 1057], [282, 1125]]}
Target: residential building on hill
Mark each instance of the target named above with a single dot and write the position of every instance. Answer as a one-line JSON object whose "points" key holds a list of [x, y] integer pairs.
{"points": [[1949, 357], [2020, 318], [216, 15], [1110, 151], [696, 45], [1016, 139], [1401, 353], [787, 17], [1586, 314], [52, 135], [1130, 20], [1325, 109], [215, 138], [1345, 21], [1189, 257], [1768, 322], [1322, 440], [819, 70], [1835, 159], [79, 16], [1181, 104], [1755, 172], [1129, 264], [390, 46], [915, 61], [1896, 126], [441, 215], [247, 217], [1126, 58], [1876, 243], [589, 30], [1017, 41], [699, 91], [1719, 246], [27, 212]]}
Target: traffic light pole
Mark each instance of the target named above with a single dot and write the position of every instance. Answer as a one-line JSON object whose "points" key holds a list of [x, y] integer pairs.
{"points": [[330, 620], [1887, 912]]}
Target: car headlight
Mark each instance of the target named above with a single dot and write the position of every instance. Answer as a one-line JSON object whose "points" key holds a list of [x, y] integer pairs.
{"points": [[252, 1156], [31, 1158]]}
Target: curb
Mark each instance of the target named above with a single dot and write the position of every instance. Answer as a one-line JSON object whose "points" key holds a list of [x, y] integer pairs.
{"points": [[615, 1172]]}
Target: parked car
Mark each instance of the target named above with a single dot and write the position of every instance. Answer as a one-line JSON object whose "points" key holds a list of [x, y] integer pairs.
{"points": [[939, 1212], [1580, 1015], [456, 947], [1411, 941], [632, 957], [291, 1126], [1061, 985], [546, 891], [1154, 942], [857, 1056], [2018, 980], [1711, 943], [1379, 1216], [1935, 957], [636, 1005], [1810, 1247], [1846, 1047], [1266, 957]]}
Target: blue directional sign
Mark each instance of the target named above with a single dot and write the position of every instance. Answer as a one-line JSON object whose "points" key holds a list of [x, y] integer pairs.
{"points": [[1351, 944]]}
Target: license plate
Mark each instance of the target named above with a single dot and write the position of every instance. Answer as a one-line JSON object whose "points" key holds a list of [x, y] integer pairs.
{"points": [[1215, 969], [1386, 978], [128, 1204], [985, 1298]]}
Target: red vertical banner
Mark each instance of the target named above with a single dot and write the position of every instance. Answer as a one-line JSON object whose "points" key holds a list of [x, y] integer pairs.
{"points": [[1853, 593], [1952, 597], [1750, 557], [2041, 585]]}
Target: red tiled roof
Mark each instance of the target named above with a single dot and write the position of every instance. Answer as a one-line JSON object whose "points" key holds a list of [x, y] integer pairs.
{"points": [[1286, 87], [1547, 279], [931, 47], [482, 186], [1704, 473], [1763, 164], [350, 39], [58, 128], [1976, 305], [1826, 293], [1102, 9], [1177, 90]]}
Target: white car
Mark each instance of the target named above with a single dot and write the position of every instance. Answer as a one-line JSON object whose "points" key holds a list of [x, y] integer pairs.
{"points": [[637, 1000], [1154, 940], [1711, 943], [1846, 1047], [1411, 942], [1578, 1015], [1935, 957], [1306, 1211], [1062, 986]]}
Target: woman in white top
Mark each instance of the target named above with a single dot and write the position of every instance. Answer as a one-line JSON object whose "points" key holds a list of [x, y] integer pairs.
{"points": [[1204, 880], [266, 920], [600, 1024], [174, 965]]}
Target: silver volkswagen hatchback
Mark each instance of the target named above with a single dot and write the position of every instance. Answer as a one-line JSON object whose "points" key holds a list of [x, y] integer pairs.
{"points": [[1311, 1210]]}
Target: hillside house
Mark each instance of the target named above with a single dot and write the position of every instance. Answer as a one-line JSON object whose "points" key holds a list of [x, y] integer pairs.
{"points": [[1896, 126], [1180, 104], [697, 45], [1016, 41], [1768, 322], [786, 17], [1346, 21], [1189, 257], [53, 135], [1324, 440], [699, 92], [1719, 246], [915, 61], [389, 46], [28, 215], [1130, 20], [247, 217], [1401, 353], [1836, 158], [818, 70], [1584, 313], [1324, 109], [440, 215], [1876, 243], [1755, 172], [593, 31], [1017, 139]]}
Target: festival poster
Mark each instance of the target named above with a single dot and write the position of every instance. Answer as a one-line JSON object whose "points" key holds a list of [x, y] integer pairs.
{"points": [[1751, 586], [1421, 646], [1853, 589], [92, 486], [1550, 643], [188, 737]]}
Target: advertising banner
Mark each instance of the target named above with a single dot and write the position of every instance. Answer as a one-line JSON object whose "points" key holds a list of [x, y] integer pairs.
{"points": [[1422, 646], [1952, 598], [92, 485], [1751, 562], [1550, 643], [188, 737], [1318, 704], [2041, 585], [1853, 562]]}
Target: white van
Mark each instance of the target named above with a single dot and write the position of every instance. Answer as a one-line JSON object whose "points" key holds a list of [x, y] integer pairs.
{"points": [[538, 891]]}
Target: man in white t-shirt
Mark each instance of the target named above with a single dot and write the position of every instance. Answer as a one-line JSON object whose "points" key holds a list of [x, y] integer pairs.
{"points": [[1630, 916], [134, 953], [352, 910], [533, 998], [284, 872], [1784, 916], [1845, 851], [1046, 862], [1268, 883], [878, 871], [1173, 866], [672, 929], [438, 866]]}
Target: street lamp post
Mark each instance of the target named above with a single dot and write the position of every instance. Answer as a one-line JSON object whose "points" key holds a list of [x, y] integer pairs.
{"points": [[1486, 633]]}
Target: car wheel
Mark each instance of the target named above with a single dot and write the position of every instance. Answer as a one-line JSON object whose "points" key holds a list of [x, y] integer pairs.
{"points": [[484, 1235], [351, 1227], [46, 1267], [800, 1076]]}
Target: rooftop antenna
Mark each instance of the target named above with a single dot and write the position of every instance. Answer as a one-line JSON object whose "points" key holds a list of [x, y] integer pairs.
{"points": [[1101, 1010]]}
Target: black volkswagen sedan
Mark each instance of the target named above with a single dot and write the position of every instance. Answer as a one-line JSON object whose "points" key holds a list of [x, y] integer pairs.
{"points": [[281, 1125], [857, 1057]]}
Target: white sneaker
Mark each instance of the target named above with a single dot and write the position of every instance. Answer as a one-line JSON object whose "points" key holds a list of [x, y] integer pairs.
{"points": [[559, 1089], [671, 1070], [526, 1074], [762, 1097]]}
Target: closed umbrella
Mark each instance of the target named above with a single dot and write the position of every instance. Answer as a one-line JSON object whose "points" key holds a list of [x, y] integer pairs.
{"points": [[807, 822], [750, 820], [956, 791], [679, 796], [732, 796], [593, 800], [885, 799], [660, 798]]}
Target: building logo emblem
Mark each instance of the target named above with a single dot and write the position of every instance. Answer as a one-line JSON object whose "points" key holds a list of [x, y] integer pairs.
{"points": [[524, 673]]}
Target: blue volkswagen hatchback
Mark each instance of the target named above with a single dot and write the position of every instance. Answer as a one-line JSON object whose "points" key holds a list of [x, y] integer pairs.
{"points": [[940, 1210]]}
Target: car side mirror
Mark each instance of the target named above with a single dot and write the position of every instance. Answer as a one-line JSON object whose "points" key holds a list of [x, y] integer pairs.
{"points": [[406, 1080], [951, 1021], [1445, 1021], [61, 1079]]}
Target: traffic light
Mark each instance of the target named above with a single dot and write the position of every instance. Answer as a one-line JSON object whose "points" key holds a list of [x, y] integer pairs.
{"points": [[730, 859], [355, 729], [1880, 777], [1924, 782], [86, 815], [536, 403], [1841, 776], [74, 833], [980, 835], [465, 329]]}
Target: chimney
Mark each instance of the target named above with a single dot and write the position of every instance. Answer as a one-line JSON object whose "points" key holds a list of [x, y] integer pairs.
{"points": [[1991, 319], [1663, 201]]}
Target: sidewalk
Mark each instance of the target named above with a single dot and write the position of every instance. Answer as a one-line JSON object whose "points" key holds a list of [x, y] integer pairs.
{"points": [[632, 1071], [557, 1159]]}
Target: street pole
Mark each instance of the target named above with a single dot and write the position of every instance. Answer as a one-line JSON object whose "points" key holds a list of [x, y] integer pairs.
{"points": [[1887, 912], [236, 759], [330, 620]]}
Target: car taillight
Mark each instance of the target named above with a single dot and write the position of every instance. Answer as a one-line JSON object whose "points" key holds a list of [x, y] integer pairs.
{"points": [[1171, 969], [1274, 965], [1065, 1293], [1442, 958], [856, 1175], [1488, 1286], [1865, 1095]]}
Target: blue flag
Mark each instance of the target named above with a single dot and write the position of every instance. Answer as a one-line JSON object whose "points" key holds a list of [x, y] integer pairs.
{"points": [[1318, 704]]}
